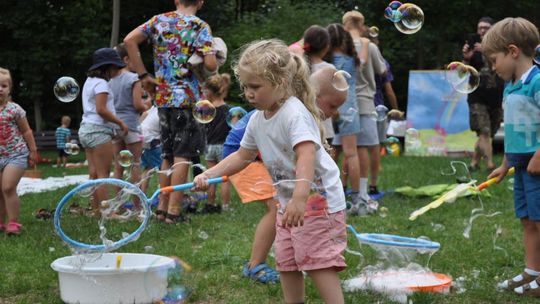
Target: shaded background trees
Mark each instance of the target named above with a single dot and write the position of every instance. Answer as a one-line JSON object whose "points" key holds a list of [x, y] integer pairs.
{"points": [[44, 40]]}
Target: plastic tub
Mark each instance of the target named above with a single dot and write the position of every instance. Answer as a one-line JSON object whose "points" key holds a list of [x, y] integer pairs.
{"points": [[133, 278]]}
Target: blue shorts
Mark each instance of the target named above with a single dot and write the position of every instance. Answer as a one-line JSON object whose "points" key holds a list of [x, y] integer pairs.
{"points": [[526, 194], [151, 158]]}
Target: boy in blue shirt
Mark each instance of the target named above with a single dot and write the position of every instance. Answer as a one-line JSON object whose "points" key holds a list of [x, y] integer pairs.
{"points": [[509, 45], [62, 135]]}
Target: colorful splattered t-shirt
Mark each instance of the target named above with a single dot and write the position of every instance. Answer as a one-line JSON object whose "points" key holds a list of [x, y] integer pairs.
{"points": [[175, 38], [11, 139]]}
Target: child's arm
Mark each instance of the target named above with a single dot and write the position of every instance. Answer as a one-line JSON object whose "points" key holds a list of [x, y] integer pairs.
{"points": [[29, 138], [229, 166], [305, 173], [138, 102], [533, 168], [132, 42], [501, 171], [101, 109]]}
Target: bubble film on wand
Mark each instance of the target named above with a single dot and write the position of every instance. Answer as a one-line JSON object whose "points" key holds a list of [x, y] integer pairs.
{"points": [[129, 188]]}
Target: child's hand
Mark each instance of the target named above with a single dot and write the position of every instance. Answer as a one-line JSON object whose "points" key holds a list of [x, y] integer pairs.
{"points": [[533, 168], [294, 213], [32, 158], [124, 127], [149, 85], [499, 173], [201, 182]]}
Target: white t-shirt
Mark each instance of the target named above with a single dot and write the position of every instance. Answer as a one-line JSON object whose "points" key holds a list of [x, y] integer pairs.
{"points": [[92, 87], [327, 123], [275, 139], [150, 126]]}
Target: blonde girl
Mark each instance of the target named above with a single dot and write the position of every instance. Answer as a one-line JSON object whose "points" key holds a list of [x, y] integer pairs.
{"points": [[310, 227], [17, 148]]}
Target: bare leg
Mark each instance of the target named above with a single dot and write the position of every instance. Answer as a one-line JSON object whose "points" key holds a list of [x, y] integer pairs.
{"points": [[102, 158], [212, 189], [3, 211], [328, 284], [10, 178], [118, 170], [264, 235], [484, 143], [179, 176], [292, 283], [477, 154], [531, 242], [374, 164], [363, 161], [351, 156], [136, 150], [226, 193]]}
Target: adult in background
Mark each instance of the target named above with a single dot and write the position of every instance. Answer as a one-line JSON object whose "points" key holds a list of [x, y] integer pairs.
{"points": [[485, 103], [176, 90]]}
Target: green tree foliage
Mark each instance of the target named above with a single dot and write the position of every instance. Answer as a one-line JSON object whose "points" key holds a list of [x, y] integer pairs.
{"points": [[44, 40]]}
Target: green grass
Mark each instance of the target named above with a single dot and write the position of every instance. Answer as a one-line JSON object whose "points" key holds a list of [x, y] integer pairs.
{"points": [[26, 277]]}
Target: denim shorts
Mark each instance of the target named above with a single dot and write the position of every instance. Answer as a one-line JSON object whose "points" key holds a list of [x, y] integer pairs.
{"points": [[526, 194], [214, 153], [368, 136], [92, 135], [130, 138], [151, 158], [18, 160]]}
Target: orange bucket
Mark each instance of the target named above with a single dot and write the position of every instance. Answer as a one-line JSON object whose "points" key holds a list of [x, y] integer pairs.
{"points": [[428, 282]]}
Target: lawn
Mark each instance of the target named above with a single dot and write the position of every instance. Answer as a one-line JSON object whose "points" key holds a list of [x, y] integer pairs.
{"points": [[26, 276]]}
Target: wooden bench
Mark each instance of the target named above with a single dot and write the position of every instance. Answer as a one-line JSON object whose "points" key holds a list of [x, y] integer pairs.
{"points": [[46, 140]]}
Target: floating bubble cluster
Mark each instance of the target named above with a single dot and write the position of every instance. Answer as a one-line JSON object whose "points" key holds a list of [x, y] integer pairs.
{"points": [[463, 78], [234, 115], [373, 32], [72, 148], [340, 80], [125, 158], [537, 55], [204, 111], [66, 89], [380, 113], [408, 18]]}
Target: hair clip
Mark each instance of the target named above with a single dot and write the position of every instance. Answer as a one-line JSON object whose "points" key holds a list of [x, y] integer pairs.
{"points": [[306, 47]]}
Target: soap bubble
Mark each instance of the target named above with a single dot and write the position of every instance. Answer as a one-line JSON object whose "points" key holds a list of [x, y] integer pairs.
{"points": [[463, 78], [234, 115], [392, 15], [412, 18], [340, 80], [203, 235], [66, 89], [204, 111], [383, 212], [125, 158], [537, 55], [71, 148], [394, 5], [373, 32]]}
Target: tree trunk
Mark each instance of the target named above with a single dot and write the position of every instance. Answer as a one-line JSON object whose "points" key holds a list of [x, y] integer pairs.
{"points": [[37, 114], [115, 23]]}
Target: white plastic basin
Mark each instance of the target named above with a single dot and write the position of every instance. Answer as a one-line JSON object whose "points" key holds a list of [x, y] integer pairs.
{"points": [[141, 278]]}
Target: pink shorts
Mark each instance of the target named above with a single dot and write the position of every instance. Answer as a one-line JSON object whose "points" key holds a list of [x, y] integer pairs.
{"points": [[319, 244]]}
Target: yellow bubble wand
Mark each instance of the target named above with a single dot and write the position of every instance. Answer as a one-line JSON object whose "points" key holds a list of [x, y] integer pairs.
{"points": [[452, 195]]}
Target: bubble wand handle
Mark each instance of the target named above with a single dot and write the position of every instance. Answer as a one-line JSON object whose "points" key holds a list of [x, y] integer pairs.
{"points": [[494, 180], [187, 186]]}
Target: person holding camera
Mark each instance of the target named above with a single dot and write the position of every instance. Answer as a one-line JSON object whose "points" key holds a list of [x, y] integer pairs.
{"points": [[485, 103]]}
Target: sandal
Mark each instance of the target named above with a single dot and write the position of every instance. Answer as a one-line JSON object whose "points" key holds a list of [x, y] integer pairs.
{"points": [[261, 273], [13, 228], [160, 215], [512, 284], [176, 218], [529, 290], [43, 214]]}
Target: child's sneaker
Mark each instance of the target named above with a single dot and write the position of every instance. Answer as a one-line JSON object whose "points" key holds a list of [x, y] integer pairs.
{"points": [[516, 281], [13, 228]]}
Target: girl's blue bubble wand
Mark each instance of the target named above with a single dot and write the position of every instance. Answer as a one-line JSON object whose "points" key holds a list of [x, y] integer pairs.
{"points": [[133, 189]]}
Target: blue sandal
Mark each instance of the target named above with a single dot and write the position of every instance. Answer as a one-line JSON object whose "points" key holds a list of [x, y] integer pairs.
{"points": [[261, 273]]}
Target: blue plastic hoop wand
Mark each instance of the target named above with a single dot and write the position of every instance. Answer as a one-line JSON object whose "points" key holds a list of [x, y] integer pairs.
{"points": [[123, 184], [395, 240]]}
